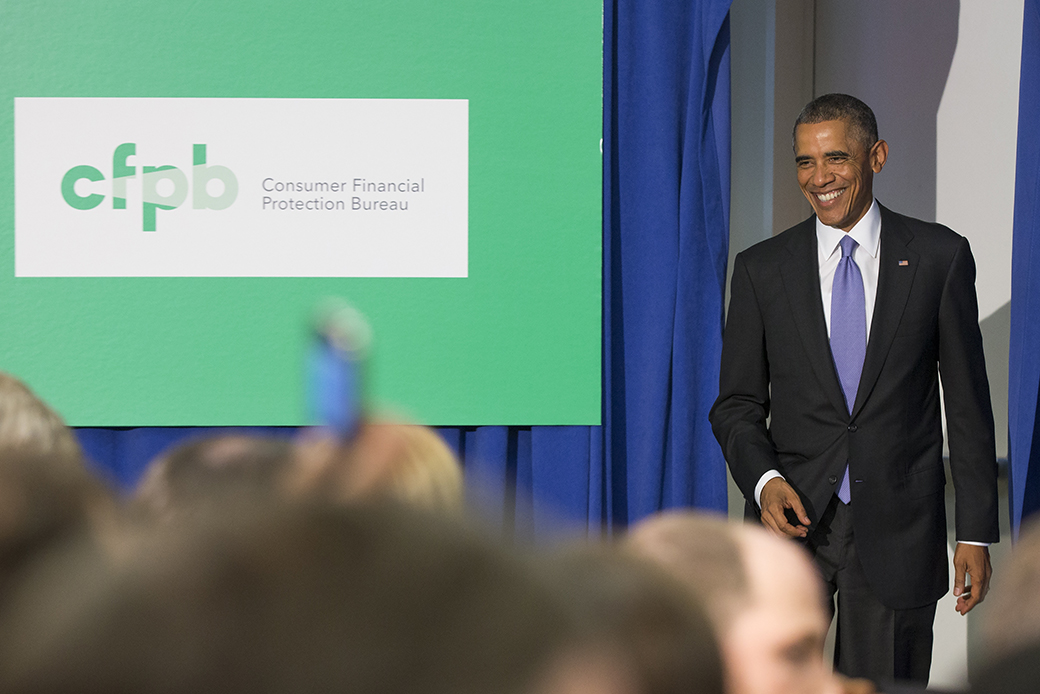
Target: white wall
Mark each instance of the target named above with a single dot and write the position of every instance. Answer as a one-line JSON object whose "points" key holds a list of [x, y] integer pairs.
{"points": [[975, 172]]}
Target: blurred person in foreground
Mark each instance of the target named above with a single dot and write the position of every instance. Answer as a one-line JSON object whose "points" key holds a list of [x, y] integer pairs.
{"points": [[1011, 623], [654, 628], [212, 470], [47, 495], [406, 462], [272, 597], [46, 502], [763, 595], [1014, 673], [29, 425], [353, 457]]}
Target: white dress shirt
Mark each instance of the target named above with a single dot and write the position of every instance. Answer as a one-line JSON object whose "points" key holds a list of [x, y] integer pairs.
{"points": [[866, 233]]}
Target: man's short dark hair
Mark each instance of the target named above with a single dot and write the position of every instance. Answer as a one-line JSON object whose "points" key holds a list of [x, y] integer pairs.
{"points": [[265, 597], [212, 470], [625, 603], [856, 115]]}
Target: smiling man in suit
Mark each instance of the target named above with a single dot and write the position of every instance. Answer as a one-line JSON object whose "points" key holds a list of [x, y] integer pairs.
{"points": [[828, 412]]}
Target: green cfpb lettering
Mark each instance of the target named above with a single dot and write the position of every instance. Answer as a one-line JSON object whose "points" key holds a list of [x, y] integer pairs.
{"points": [[152, 201], [68, 187]]}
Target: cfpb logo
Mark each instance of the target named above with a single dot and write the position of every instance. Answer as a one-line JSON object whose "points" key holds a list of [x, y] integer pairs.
{"points": [[173, 194]]}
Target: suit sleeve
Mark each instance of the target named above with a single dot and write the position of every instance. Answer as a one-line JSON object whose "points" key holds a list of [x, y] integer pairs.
{"points": [[739, 415], [969, 413]]}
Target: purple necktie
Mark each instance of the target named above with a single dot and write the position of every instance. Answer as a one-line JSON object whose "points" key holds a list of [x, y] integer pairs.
{"points": [[848, 332]]}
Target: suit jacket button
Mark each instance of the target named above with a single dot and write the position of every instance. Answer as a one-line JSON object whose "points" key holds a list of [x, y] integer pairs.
{"points": [[832, 479], [853, 427]]}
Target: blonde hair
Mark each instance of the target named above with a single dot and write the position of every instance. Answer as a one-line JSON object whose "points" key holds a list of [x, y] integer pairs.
{"points": [[701, 550], [28, 424], [425, 472], [404, 462]]}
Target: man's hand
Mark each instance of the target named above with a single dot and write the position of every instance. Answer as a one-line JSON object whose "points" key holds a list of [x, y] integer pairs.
{"points": [[973, 560], [778, 496]]}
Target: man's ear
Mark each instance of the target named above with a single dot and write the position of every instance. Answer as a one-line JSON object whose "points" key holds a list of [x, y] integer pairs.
{"points": [[878, 155]]}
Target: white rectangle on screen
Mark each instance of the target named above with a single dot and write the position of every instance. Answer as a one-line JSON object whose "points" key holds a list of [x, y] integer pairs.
{"points": [[168, 187]]}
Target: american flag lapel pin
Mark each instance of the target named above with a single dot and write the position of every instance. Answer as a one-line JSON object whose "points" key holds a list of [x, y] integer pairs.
{"points": [[904, 263]]}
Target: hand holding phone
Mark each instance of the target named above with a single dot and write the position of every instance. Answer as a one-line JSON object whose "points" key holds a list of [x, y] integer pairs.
{"points": [[336, 368]]}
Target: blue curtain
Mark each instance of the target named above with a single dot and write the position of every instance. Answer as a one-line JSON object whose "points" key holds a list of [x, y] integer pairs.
{"points": [[1024, 358], [665, 242]]}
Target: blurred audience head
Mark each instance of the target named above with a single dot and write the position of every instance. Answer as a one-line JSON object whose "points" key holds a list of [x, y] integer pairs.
{"points": [[29, 425], [211, 470], [762, 593], [657, 637], [1012, 617], [1015, 673], [46, 501], [290, 598], [47, 495], [406, 462]]}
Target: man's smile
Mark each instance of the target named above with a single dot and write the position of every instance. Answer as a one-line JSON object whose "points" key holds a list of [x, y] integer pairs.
{"points": [[827, 197]]}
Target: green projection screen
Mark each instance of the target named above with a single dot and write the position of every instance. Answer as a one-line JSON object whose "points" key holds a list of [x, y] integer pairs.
{"points": [[186, 181]]}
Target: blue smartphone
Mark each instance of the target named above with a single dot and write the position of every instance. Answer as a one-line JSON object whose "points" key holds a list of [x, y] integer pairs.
{"points": [[336, 368]]}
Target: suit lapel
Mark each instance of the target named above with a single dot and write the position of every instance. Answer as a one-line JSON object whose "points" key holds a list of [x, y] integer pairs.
{"points": [[801, 275], [894, 283]]}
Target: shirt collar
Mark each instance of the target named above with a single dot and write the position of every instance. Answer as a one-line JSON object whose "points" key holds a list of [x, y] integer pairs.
{"points": [[867, 233]]}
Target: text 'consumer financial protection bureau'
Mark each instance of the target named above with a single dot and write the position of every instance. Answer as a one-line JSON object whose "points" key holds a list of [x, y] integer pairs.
{"points": [[358, 194]]}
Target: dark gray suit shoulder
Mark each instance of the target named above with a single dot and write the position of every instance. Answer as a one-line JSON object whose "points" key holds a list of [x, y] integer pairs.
{"points": [[933, 241]]}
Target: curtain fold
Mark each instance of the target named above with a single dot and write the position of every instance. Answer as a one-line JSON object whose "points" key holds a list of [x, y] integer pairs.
{"points": [[665, 244], [1024, 356]]}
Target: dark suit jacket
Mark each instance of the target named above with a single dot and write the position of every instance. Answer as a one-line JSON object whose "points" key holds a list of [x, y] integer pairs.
{"points": [[780, 402]]}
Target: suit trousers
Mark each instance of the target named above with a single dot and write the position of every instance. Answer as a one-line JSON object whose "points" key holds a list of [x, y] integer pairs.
{"points": [[872, 640]]}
